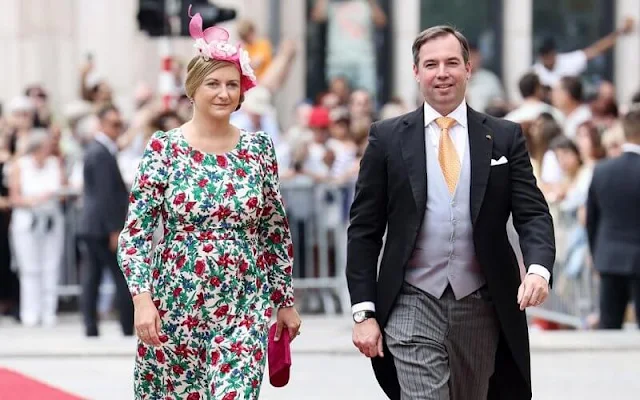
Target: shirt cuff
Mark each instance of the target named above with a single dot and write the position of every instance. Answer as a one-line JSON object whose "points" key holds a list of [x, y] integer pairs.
{"points": [[364, 306], [538, 269]]}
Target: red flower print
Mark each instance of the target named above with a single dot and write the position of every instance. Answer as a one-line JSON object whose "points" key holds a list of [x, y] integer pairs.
{"points": [[241, 172], [277, 296], [155, 273], [237, 348], [189, 206], [230, 190], [288, 270], [182, 350], [170, 387], [207, 248], [252, 202], [266, 211], [203, 182], [222, 311], [218, 339], [225, 260], [142, 350], [178, 370], [160, 356], [191, 322], [225, 368], [244, 155], [148, 377], [243, 267], [215, 357], [276, 238], [156, 145], [200, 300], [179, 198], [131, 250], [222, 161], [258, 355], [200, 266], [258, 283], [222, 212], [164, 338], [215, 281], [255, 383], [193, 396], [230, 396], [181, 261], [270, 258], [177, 291], [198, 157], [132, 198], [290, 250], [268, 312]]}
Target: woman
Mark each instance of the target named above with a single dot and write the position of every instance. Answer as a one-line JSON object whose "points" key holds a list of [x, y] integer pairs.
{"points": [[203, 297], [589, 143], [37, 227]]}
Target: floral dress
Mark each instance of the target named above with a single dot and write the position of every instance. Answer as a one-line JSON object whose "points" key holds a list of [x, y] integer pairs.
{"points": [[224, 260]]}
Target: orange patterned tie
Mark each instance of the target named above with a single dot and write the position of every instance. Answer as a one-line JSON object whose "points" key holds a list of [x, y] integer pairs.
{"points": [[447, 154]]}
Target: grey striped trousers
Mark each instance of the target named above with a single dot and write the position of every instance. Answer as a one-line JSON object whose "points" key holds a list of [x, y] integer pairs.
{"points": [[444, 349]]}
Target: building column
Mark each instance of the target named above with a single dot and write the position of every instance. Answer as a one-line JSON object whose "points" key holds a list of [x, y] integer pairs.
{"points": [[406, 26], [627, 53], [517, 44]]}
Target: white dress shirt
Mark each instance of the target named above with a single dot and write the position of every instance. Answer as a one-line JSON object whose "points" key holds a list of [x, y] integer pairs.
{"points": [[631, 148], [460, 137]]}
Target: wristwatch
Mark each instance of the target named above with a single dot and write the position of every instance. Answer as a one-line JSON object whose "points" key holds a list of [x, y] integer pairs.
{"points": [[361, 316]]}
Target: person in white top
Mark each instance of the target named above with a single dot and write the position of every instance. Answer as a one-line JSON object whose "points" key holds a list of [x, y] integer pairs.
{"points": [[533, 103], [567, 96], [552, 66], [37, 227]]}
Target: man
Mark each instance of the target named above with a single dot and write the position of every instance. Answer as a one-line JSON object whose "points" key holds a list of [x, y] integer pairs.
{"points": [[484, 89], [567, 96], [104, 208], [533, 103], [448, 296], [613, 226], [552, 66]]}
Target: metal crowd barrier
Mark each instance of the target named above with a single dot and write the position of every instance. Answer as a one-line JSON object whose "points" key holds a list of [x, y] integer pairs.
{"points": [[318, 220], [573, 297]]}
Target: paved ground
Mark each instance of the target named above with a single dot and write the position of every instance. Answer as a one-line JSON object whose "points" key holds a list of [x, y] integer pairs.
{"points": [[576, 365]]}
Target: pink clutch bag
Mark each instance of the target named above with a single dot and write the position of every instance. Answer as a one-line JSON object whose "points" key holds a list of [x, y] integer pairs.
{"points": [[279, 357]]}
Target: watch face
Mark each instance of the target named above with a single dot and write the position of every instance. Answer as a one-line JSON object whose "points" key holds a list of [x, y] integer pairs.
{"points": [[359, 316]]}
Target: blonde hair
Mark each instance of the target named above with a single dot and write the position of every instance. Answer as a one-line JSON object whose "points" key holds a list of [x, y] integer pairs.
{"points": [[245, 28], [198, 69]]}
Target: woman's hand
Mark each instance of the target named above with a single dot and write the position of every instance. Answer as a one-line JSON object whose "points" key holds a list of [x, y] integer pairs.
{"points": [[147, 319], [288, 318]]}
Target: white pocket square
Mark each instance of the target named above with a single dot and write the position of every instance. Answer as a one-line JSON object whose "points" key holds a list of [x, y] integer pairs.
{"points": [[500, 161]]}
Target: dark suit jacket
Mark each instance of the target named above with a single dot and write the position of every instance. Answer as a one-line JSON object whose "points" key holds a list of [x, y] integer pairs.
{"points": [[105, 197], [613, 215], [391, 193]]}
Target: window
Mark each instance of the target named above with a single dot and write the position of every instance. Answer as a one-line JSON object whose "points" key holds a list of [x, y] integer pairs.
{"points": [[574, 25], [480, 22], [316, 55]]}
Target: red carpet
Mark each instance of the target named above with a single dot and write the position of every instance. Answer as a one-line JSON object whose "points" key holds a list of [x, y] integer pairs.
{"points": [[14, 386]]}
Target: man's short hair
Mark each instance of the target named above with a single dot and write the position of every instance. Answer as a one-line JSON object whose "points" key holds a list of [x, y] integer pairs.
{"points": [[435, 32], [106, 109], [528, 84], [631, 123], [573, 86], [547, 46]]}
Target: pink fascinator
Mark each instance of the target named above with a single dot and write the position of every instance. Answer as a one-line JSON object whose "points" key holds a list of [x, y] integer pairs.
{"points": [[213, 43]]}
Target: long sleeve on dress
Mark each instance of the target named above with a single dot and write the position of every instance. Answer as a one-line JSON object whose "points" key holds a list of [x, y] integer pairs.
{"points": [[275, 233], [145, 201]]}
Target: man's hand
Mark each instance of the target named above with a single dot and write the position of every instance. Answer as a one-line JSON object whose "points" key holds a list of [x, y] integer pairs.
{"points": [[367, 338], [533, 291]]}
